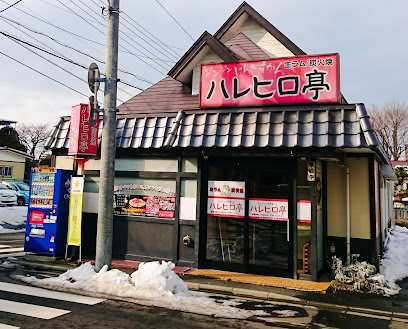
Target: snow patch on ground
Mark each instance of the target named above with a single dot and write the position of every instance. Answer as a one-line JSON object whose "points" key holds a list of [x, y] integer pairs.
{"points": [[153, 284], [12, 219], [7, 264], [285, 313], [395, 258]]}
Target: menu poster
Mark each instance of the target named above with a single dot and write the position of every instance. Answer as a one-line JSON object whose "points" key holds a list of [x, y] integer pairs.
{"points": [[144, 205]]}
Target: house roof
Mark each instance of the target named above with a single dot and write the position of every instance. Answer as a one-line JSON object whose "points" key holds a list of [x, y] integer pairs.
{"points": [[183, 68], [166, 96], [320, 127], [182, 71], [244, 48], [227, 30], [399, 164], [14, 151], [6, 122]]}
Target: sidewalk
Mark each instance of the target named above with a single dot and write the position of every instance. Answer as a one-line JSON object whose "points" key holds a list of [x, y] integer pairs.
{"points": [[319, 294]]}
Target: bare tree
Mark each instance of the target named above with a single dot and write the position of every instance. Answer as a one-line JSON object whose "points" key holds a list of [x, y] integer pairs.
{"points": [[33, 137], [390, 121]]}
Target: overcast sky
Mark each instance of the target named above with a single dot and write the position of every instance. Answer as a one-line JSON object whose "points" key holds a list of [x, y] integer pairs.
{"points": [[370, 37]]}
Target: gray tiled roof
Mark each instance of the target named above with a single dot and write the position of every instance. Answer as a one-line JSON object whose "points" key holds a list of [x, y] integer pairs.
{"points": [[342, 126]]}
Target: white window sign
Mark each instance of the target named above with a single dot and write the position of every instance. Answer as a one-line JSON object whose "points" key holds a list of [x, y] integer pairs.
{"points": [[304, 211], [187, 208], [226, 199], [268, 209]]}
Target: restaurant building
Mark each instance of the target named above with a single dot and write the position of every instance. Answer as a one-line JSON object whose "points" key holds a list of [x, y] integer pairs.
{"points": [[246, 157]]}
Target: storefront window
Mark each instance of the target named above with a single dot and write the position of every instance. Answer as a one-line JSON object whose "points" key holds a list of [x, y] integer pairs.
{"points": [[304, 219], [189, 165], [145, 197], [91, 184], [146, 164], [188, 197]]}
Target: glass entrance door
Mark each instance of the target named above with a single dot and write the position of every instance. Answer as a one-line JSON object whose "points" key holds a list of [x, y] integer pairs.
{"points": [[226, 216], [269, 232], [248, 222]]}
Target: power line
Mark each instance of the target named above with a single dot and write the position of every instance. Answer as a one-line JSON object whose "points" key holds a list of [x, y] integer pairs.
{"points": [[8, 20], [154, 60], [158, 40], [10, 6], [85, 20], [120, 38], [59, 28], [130, 85], [149, 43], [23, 43], [59, 82], [49, 61], [44, 50], [78, 36], [175, 20]]}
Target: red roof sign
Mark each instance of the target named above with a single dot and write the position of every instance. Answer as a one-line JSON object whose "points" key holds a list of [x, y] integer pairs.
{"points": [[305, 79]]}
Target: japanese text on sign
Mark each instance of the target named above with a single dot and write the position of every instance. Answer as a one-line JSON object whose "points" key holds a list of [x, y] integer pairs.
{"points": [[307, 79], [226, 199], [83, 138], [268, 209]]}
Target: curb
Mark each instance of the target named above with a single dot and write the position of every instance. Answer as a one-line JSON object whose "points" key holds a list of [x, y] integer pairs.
{"points": [[269, 296], [249, 293], [44, 266]]}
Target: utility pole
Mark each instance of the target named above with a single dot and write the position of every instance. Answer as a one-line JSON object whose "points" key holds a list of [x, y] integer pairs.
{"points": [[108, 145]]}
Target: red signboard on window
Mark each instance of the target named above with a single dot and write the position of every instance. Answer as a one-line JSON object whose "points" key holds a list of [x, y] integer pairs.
{"points": [[83, 138], [306, 79]]}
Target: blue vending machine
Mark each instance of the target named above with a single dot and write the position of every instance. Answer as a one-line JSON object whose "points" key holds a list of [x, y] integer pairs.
{"points": [[47, 216]]}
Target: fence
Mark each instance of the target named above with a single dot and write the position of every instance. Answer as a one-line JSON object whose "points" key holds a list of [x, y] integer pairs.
{"points": [[401, 214]]}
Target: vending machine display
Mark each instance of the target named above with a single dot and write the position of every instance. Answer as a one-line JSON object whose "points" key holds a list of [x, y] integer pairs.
{"points": [[47, 216]]}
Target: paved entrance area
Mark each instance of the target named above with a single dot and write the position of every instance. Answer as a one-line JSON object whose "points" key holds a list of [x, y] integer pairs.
{"points": [[262, 280]]}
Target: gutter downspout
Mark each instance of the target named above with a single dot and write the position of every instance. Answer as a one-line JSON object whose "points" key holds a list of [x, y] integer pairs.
{"points": [[348, 210]]}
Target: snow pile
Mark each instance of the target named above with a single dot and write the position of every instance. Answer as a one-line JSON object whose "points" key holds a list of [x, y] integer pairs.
{"points": [[12, 219], [395, 260], [159, 276], [356, 273], [363, 277], [154, 284]]}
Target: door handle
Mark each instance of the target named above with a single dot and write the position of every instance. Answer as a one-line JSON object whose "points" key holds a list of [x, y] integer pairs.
{"points": [[287, 230]]}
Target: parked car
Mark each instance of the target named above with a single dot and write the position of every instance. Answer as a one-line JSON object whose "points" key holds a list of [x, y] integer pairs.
{"points": [[7, 196], [22, 190]]}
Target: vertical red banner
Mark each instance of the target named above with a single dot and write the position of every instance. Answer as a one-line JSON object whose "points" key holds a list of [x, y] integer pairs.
{"points": [[83, 138]]}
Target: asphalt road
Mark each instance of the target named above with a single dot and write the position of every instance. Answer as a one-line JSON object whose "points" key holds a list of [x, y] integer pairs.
{"points": [[122, 314], [13, 240]]}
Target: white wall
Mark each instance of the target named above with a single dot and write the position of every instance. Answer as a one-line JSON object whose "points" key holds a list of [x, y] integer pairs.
{"points": [[11, 157], [263, 39], [257, 34], [209, 58]]}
